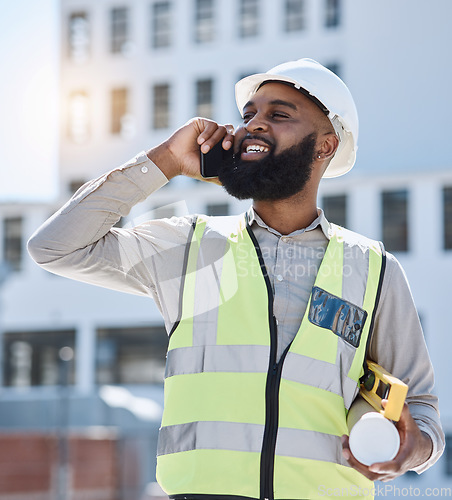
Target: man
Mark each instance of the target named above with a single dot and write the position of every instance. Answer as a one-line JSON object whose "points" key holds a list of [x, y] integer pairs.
{"points": [[272, 313]]}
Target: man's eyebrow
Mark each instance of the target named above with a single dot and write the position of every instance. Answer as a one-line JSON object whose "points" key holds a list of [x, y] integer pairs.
{"points": [[280, 102], [275, 102]]}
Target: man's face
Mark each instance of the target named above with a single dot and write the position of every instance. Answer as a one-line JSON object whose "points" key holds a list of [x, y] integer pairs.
{"points": [[275, 145]]}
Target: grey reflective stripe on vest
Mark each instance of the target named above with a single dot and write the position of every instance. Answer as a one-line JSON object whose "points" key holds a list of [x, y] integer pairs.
{"points": [[311, 445], [355, 271], [209, 266], [324, 375], [254, 359], [210, 436], [217, 358], [248, 438]]}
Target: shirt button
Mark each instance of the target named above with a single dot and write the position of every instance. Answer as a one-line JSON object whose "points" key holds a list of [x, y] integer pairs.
{"points": [[279, 277], [144, 170]]}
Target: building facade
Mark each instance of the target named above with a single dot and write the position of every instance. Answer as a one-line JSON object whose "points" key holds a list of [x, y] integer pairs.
{"points": [[131, 72]]}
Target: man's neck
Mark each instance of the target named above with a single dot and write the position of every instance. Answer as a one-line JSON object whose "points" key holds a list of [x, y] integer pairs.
{"points": [[287, 216]]}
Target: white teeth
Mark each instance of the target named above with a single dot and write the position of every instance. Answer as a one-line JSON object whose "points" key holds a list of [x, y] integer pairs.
{"points": [[254, 148]]}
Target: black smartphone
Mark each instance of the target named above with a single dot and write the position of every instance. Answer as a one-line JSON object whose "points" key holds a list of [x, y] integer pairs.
{"points": [[211, 161]]}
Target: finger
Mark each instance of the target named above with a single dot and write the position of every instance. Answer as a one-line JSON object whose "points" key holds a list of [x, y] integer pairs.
{"points": [[215, 137], [228, 140], [348, 455], [394, 466], [205, 128]]}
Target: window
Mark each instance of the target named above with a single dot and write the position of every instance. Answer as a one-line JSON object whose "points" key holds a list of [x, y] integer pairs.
{"points": [[204, 21], [335, 208], [78, 117], [294, 19], [119, 109], [164, 212], [249, 18], [447, 211], [119, 29], [161, 106], [204, 98], [131, 355], [335, 68], [161, 24], [332, 13], [75, 185], [38, 358], [217, 209], [448, 454], [12, 242], [79, 37], [395, 220]]}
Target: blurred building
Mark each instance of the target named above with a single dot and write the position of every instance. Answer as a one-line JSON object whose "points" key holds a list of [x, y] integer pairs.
{"points": [[131, 72]]}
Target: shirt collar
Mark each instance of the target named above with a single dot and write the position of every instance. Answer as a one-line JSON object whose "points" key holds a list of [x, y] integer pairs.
{"points": [[321, 220]]}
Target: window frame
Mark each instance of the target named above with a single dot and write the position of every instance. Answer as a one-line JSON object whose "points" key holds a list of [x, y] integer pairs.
{"points": [[119, 29], [333, 13], [161, 106], [117, 346], [204, 98], [249, 25], [118, 104], [204, 27], [447, 217], [336, 198], [391, 230], [162, 29], [64, 374], [13, 242], [72, 37], [289, 16], [79, 121]]}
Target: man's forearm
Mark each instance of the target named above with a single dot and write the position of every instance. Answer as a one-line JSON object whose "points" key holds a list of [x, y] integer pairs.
{"points": [[162, 157], [69, 242]]}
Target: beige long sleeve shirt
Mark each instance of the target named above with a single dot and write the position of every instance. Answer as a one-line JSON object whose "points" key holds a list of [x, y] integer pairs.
{"points": [[79, 242]]}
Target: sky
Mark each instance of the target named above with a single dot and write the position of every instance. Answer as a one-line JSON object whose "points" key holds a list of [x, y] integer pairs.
{"points": [[28, 100]]}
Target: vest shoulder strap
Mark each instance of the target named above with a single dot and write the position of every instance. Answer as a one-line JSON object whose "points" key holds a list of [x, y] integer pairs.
{"points": [[351, 239], [374, 312]]}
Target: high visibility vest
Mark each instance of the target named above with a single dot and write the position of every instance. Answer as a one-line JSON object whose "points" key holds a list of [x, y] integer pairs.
{"points": [[238, 422]]}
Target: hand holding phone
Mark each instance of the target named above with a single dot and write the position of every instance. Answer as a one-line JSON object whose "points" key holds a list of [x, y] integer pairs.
{"points": [[211, 161]]}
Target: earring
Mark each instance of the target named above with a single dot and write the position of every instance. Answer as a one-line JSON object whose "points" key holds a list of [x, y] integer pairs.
{"points": [[319, 156]]}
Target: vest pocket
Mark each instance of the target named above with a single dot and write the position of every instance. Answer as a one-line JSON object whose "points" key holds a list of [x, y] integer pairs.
{"points": [[344, 319]]}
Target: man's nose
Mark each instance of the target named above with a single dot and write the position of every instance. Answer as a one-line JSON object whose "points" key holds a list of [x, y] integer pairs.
{"points": [[256, 124]]}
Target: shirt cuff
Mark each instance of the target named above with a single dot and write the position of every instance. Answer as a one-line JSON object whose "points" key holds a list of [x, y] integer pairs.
{"points": [[436, 451], [144, 173]]}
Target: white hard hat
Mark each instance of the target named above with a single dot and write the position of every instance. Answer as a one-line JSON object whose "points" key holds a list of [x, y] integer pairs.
{"points": [[327, 90]]}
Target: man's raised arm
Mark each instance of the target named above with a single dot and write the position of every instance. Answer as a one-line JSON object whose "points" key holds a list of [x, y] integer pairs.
{"points": [[79, 240]]}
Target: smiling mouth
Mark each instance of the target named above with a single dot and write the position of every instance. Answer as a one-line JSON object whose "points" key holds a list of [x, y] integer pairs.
{"points": [[257, 149], [253, 150]]}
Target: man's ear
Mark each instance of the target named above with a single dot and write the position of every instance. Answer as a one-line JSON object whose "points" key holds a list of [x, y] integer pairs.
{"points": [[328, 146]]}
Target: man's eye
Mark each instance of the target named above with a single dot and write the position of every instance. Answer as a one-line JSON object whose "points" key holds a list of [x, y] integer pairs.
{"points": [[247, 117], [277, 114]]}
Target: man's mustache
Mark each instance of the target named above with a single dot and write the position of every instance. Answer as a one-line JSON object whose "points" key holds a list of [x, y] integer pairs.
{"points": [[256, 138]]}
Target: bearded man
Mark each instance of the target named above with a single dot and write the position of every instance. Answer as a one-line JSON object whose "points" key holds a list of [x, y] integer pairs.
{"points": [[271, 314]]}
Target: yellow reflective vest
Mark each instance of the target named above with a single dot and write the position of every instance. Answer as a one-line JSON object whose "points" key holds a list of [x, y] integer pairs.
{"points": [[239, 422]]}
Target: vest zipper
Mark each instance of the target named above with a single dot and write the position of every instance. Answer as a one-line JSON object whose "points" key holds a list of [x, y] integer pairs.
{"points": [[267, 466], [271, 419], [271, 424]]}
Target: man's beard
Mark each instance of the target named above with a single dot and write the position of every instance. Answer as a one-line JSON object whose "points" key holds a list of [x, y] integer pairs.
{"points": [[274, 177]]}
